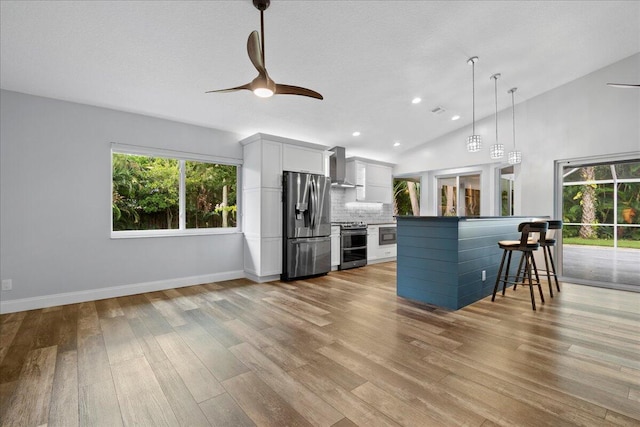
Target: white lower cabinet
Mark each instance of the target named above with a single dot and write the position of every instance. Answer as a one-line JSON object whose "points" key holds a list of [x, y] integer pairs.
{"points": [[387, 251], [375, 251], [335, 246], [372, 243], [263, 257]]}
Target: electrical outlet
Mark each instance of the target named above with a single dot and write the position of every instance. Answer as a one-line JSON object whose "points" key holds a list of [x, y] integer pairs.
{"points": [[484, 275], [7, 284]]}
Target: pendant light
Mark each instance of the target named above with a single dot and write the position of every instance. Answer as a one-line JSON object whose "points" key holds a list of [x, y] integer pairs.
{"points": [[515, 156], [496, 150], [474, 142]]}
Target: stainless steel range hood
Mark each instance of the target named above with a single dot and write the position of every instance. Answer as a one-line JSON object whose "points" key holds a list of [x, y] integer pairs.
{"points": [[338, 168]]}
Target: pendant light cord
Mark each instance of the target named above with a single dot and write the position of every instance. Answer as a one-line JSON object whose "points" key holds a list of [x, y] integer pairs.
{"points": [[513, 112], [473, 97], [495, 80]]}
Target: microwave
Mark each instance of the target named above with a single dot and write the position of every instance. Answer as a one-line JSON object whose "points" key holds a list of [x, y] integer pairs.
{"points": [[387, 236]]}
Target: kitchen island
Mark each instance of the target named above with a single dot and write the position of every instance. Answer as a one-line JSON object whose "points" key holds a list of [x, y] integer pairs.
{"points": [[451, 261]]}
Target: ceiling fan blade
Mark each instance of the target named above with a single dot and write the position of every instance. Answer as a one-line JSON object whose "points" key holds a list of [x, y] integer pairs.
{"points": [[623, 85], [255, 52], [296, 90], [233, 89]]}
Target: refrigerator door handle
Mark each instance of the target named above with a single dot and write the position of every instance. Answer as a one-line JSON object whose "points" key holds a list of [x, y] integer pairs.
{"points": [[313, 199], [316, 207], [319, 204]]}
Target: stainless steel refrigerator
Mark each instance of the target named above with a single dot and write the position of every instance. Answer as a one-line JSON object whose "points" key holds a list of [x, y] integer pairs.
{"points": [[306, 225]]}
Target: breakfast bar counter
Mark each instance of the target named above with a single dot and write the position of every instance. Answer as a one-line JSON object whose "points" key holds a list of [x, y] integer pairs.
{"points": [[451, 261]]}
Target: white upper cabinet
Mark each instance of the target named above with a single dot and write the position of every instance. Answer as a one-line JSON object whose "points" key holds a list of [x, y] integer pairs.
{"points": [[262, 164], [303, 159], [379, 175], [374, 182]]}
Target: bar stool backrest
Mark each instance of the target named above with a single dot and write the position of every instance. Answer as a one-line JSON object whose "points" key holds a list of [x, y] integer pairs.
{"points": [[527, 228], [554, 224]]}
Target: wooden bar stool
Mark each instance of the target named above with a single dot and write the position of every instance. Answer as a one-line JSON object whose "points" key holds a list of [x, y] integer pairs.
{"points": [[526, 246], [546, 244]]}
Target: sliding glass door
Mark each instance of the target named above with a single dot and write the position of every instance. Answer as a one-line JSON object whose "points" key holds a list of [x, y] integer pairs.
{"points": [[459, 195], [600, 205], [507, 191]]}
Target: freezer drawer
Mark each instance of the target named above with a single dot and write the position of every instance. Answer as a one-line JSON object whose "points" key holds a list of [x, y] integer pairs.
{"points": [[307, 257]]}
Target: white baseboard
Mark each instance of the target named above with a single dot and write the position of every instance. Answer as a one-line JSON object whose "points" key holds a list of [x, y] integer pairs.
{"points": [[24, 304], [261, 279]]}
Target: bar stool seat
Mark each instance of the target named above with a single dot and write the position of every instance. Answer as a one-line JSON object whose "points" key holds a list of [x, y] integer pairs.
{"points": [[526, 245]]}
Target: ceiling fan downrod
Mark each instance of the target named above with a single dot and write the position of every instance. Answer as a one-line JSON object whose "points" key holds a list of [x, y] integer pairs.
{"points": [[262, 5]]}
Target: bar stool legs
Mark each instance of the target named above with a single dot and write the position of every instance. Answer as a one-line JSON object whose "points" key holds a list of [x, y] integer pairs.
{"points": [[528, 270], [546, 249], [526, 247]]}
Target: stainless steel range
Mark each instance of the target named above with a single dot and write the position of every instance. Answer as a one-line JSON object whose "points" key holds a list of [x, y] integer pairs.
{"points": [[353, 244]]}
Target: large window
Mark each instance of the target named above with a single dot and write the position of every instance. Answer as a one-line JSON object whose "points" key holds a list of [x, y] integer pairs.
{"points": [[159, 195]]}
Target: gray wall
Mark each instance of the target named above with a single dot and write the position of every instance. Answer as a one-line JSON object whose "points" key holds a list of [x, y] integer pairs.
{"points": [[56, 204], [583, 118]]}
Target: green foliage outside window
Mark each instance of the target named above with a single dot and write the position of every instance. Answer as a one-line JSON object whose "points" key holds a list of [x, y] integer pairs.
{"points": [[593, 203], [146, 193], [406, 197]]}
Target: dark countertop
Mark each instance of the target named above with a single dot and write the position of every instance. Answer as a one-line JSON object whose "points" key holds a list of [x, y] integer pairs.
{"points": [[467, 218]]}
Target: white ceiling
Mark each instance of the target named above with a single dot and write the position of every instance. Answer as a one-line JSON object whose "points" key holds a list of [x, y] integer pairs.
{"points": [[368, 58]]}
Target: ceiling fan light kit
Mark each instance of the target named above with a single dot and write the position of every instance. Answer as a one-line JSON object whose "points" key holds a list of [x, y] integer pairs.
{"points": [[263, 86], [496, 151], [474, 142]]}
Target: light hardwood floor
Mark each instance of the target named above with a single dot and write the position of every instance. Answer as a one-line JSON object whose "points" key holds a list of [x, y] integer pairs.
{"points": [[339, 350]]}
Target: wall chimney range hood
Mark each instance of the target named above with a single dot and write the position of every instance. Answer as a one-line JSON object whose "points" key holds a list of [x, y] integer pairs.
{"points": [[338, 168]]}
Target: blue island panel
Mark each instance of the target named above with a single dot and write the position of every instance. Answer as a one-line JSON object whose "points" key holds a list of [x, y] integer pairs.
{"points": [[440, 259]]}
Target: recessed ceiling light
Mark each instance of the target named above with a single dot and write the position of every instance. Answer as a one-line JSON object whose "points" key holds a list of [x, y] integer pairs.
{"points": [[356, 133], [416, 100], [396, 144], [456, 117]]}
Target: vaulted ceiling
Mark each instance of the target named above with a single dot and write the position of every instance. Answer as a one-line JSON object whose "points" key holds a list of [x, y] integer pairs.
{"points": [[368, 58]]}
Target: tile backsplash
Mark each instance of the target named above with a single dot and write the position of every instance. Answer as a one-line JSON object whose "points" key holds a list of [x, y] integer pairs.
{"points": [[370, 213]]}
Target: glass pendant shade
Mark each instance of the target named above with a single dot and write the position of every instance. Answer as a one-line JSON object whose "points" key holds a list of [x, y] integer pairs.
{"points": [[496, 151], [474, 142], [515, 157]]}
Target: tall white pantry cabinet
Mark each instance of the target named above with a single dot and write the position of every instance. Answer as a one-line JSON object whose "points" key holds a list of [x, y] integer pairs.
{"points": [[265, 158]]}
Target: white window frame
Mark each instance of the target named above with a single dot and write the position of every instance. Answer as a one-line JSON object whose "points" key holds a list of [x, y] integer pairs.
{"points": [[181, 156]]}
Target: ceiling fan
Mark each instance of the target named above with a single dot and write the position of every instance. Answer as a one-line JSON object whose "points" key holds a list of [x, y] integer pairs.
{"points": [[622, 85], [262, 85]]}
